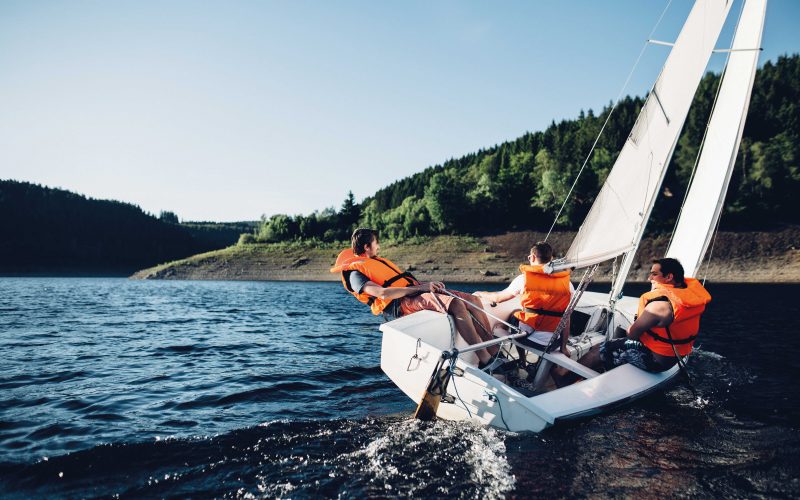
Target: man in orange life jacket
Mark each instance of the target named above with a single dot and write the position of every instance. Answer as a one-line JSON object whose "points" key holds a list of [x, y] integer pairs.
{"points": [[544, 296], [380, 284], [667, 321]]}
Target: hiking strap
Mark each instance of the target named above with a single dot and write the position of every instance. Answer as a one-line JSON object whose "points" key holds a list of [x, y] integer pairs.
{"points": [[543, 312]]}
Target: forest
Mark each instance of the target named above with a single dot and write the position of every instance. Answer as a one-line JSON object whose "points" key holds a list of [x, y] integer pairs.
{"points": [[521, 184], [48, 230], [516, 185]]}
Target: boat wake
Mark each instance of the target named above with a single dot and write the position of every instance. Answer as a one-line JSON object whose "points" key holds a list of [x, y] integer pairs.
{"points": [[422, 454], [374, 457]]}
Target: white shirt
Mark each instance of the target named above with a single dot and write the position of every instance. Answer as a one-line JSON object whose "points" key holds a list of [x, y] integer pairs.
{"points": [[516, 285]]}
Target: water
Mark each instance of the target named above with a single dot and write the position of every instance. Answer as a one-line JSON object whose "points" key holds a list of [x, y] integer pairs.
{"points": [[241, 389]]}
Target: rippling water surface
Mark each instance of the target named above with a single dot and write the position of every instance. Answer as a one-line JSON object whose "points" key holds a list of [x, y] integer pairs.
{"points": [[239, 389]]}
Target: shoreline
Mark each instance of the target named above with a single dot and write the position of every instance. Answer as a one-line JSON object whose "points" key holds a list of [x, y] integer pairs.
{"points": [[738, 257]]}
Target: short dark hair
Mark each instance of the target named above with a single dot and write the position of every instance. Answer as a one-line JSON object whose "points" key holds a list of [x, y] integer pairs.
{"points": [[671, 266], [361, 238], [542, 251]]}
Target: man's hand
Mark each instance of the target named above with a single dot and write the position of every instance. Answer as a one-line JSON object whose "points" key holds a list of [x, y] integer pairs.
{"points": [[430, 286]]}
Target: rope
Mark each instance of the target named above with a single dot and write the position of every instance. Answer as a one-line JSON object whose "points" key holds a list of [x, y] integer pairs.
{"points": [[682, 365], [711, 252], [613, 108], [455, 387], [451, 367], [494, 398], [472, 317], [499, 349], [475, 320], [482, 309]]}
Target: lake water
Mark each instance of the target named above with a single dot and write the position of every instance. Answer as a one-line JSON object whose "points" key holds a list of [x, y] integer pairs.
{"points": [[241, 389]]}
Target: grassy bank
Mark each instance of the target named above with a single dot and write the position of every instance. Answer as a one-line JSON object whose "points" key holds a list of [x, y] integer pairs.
{"points": [[758, 256]]}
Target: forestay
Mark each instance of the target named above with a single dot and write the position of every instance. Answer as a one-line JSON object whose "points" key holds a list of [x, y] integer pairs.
{"points": [[706, 195], [616, 220]]}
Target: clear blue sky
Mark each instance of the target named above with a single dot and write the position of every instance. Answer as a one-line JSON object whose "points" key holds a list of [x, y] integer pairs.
{"points": [[227, 110]]}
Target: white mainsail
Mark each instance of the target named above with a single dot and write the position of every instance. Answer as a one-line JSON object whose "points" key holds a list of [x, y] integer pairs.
{"points": [[706, 195], [617, 218]]}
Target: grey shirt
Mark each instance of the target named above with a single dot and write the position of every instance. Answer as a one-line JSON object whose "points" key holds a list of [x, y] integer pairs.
{"points": [[357, 280]]}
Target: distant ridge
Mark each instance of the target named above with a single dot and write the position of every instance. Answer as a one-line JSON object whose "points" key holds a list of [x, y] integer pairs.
{"points": [[53, 231]]}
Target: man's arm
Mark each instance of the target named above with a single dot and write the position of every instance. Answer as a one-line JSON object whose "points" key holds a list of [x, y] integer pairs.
{"points": [[501, 296], [655, 314], [391, 293]]}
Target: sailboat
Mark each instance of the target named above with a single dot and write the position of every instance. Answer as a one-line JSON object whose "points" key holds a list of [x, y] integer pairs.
{"points": [[423, 348]]}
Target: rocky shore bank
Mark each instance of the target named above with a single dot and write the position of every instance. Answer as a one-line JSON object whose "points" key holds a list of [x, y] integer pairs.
{"points": [[756, 256]]}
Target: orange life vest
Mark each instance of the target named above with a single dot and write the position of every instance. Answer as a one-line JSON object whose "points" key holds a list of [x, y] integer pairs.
{"points": [[380, 271], [687, 306], [544, 299]]}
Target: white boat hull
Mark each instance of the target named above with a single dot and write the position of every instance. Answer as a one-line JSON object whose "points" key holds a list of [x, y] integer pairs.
{"points": [[412, 346]]}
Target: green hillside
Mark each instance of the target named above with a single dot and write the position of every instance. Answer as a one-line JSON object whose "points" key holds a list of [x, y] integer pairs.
{"points": [[520, 184]]}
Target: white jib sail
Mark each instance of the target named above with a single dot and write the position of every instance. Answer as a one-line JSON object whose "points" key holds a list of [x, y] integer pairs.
{"points": [[616, 220], [704, 201]]}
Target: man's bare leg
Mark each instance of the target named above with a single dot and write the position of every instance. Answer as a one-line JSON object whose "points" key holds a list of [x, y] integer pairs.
{"points": [[461, 308], [481, 320], [466, 329], [592, 359]]}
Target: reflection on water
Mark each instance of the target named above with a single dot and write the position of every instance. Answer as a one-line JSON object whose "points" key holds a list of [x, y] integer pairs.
{"points": [[274, 389]]}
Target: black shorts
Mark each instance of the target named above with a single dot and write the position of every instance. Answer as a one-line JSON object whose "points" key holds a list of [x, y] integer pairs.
{"points": [[392, 311], [621, 351]]}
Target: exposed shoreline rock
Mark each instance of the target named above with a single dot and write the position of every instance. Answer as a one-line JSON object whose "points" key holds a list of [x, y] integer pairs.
{"points": [[755, 256]]}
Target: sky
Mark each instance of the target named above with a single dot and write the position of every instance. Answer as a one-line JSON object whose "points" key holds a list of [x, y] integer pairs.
{"points": [[230, 110]]}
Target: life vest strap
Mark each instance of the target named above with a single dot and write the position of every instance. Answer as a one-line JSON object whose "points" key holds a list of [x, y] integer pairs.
{"points": [[666, 340], [543, 312], [662, 298], [405, 275], [382, 261], [658, 337]]}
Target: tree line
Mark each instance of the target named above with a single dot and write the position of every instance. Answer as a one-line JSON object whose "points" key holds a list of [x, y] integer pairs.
{"points": [[48, 230], [521, 184]]}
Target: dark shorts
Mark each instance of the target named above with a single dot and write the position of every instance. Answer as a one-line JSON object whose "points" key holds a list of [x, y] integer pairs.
{"points": [[392, 311], [621, 351], [410, 304]]}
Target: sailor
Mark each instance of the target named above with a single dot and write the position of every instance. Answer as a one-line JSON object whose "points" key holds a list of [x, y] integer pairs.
{"points": [[543, 297], [389, 291], [666, 324]]}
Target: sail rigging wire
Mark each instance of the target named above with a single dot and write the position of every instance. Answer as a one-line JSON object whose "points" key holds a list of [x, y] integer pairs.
{"points": [[484, 311], [703, 140], [608, 118], [711, 252], [587, 278]]}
